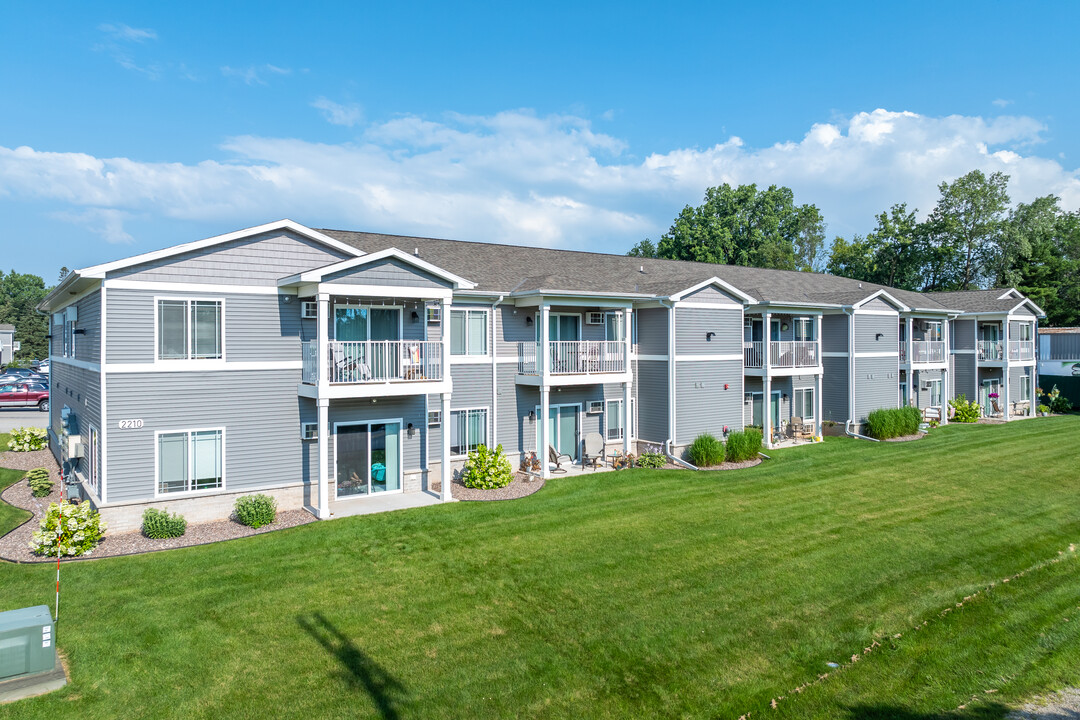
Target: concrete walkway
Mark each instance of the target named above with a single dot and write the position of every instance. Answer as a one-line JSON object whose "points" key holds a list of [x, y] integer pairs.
{"points": [[368, 505]]}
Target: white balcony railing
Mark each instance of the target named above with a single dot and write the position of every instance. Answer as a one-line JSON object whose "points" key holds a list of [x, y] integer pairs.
{"points": [[989, 350], [903, 351], [375, 361], [793, 354], [574, 357], [753, 357], [1021, 350], [925, 351]]}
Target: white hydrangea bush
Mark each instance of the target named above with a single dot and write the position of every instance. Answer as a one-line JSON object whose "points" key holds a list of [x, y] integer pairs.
{"points": [[76, 528], [28, 439]]}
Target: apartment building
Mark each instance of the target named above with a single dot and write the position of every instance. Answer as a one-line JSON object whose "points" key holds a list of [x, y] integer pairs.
{"points": [[327, 367]]}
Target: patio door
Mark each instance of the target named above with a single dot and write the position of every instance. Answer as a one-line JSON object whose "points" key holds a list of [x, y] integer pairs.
{"points": [[562, 330], [774, 408], [752, 331], [988, 388], [563, 429], [356, 324], [368, 458]]}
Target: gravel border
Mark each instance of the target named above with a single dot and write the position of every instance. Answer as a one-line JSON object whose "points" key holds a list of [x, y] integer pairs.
{"points": [[521, 486], [907, 438], [14, 545], [1056, 706]]}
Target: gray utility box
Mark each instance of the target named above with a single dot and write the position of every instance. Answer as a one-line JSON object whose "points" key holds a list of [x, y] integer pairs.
{"points": [[27, 645]]}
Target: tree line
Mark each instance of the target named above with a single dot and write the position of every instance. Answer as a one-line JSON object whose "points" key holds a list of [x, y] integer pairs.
{"points": [[974, 238], [20, 294]]}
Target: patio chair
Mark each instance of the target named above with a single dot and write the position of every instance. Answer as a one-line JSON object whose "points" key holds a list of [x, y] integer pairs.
{"points": [[555, 457], [594, 450], [801, 430], [997, 407]]}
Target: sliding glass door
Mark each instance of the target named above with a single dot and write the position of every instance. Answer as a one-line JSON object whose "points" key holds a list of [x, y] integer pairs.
{"points": [[368, 458]]}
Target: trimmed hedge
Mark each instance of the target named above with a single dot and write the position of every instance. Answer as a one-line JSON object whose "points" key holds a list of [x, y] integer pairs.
{"points": [[705, 451], [886, 423], [487, 469], [40, 483], [255, 510], [744, 445], [159, 524]]}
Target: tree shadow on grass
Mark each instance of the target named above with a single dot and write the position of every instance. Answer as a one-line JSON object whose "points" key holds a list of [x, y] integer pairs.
{"points": [[383, 688], [980, 711]]}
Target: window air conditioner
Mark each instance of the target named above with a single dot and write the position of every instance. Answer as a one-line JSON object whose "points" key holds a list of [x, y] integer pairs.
{"points": [[596, 407]]}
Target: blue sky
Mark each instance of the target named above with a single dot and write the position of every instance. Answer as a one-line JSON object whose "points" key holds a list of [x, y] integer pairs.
{"points": [[131, 126]]}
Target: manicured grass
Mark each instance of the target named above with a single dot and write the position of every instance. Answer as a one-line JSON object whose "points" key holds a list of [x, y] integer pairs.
{"points": [[639, 593], [10, 517]]}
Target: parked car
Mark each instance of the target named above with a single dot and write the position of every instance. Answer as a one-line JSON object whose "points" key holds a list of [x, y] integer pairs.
{"points": [[25, 394], [42, 367], [7, 378]]}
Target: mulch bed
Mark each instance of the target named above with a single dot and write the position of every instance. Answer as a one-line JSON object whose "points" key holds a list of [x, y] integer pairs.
{"points": [[15, 545], [521, 486], [907, 438], [734, 465]]}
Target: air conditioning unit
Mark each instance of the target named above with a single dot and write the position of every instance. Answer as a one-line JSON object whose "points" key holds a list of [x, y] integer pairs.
{"points": [[309, 310], [27, 649], [73, 446], [926, 385], [309, 431], [434, 417], [596, 407], [595, 318], [434, 314]]}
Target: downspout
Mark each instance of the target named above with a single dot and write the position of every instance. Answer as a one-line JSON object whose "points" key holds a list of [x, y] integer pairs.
{"points": [[671, 385], [494, 373]]}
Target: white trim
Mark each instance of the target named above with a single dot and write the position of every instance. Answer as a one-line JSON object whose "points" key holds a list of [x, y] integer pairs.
{"points": [[188, 493], [877, 312], [93, 469], [648, 357], [833, 353], [368, 306], [203, 366], [704, 358], [121, 284], [393, 291], [103, 400], [956, 351], [879, 294], [318, 274], [401, 458], [726, 286], [791, 407], [473, 360], [895, 354], [82, 364], [190, 329], [489, 350], [707, 305], [284, 224], [487, 423]]}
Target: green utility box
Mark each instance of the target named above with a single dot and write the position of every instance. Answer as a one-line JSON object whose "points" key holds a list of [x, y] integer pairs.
{"points": [[27, 644]]}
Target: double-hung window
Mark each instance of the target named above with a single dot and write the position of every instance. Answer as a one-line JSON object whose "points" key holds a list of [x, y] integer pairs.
{"points": [[614, 420], [1024, 332], [933, 330], [1025, 389], [189, 330], [468, 332], [468, 429], [935, 393], [190, 460], [804, 403], [804, 329], [613, 327], [66, 320]]}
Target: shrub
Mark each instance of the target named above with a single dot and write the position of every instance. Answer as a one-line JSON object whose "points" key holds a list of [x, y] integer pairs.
{"points": [[40, 482], [743, 446], [652, 458], [487, 469], [159, 524], [76, 528], [1058, 403], [255, 510], [705, 451], [886, 423], [1044, 408], [964, 411], [28, 439]]}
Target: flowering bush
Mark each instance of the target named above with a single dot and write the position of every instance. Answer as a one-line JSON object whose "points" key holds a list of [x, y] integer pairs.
{"points": [[964, 411], [27, 439], [487, 469], [1057, 403], [652, 458], [76, 528]]}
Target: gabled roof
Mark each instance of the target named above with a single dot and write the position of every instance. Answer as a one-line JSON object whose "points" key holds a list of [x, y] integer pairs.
{"points": [[995, 300], [884, 295], [714, 282], [316, 275]]}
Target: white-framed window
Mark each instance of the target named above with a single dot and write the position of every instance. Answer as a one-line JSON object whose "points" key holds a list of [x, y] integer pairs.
{"points": [[935, 392], [434, 417], [190, 461], [66, 321], [933, 330], [1024, 332], [613, 327], [93, 459], [309, 431], [468, 429], [804, 403], [1025, 389], [309, 309], [190, 329], [804, 329], [595, 407], [434, 313], [613, 421], [468, 332]]}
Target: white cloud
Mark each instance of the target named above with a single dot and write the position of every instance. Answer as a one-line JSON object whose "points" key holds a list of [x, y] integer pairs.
{"points": [[337, 114], [521, 178], [119, 44], [1001, 102], [254, 74], [106, 223], [120, 31]]}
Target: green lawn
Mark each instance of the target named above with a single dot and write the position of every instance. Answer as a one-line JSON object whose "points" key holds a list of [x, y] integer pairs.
{"points": [[639, 593], [10, 517]]}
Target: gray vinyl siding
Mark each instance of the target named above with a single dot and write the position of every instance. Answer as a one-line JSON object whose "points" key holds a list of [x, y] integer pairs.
{"points": [[962, 380], [692, 325], [259, 410], [88, 345], [309, 451], [257, 260], [712, 294], [257, 327], [962, 335], [834, 389], [513, 328], [387, 272], [514, 404], [472, 386], [652, 331], [434, 434], [1018, 376], [1014, 329], [878, 304], [652, 392], [834, 333], [876, 385], [922, 397], [78, 389], [867, 328], [702, 404], [409, 409], [1023, 310]]}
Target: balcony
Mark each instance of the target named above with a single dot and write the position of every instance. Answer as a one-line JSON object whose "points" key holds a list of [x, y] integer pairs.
{"points": [[923, 352], [374, 362], [1021, 350], [782, 354], [574, 357], [989, 350]]}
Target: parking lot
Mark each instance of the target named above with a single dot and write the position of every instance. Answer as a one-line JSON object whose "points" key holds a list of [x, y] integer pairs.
{"points": [[18, 417]]}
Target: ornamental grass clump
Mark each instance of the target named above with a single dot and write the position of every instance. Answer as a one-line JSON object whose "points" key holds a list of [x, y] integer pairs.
{"points": [[487, 469], [743, 445], [888, 423], [159, 524], [705, 451], [28, 439], [964, 411], [40, 482], [75, 528], [255, 510]]}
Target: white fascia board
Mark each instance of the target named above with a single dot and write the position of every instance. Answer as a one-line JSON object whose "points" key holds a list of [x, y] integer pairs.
{"points": [[726, 286], [882, 294], [318, 274], [286, 224], [63, 294], [1039, 312], [1010, 294], [589, 294], [383, 291], [794, 307]]}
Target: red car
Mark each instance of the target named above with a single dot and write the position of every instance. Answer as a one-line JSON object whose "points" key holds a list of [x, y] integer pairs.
{"points": [[25, 395]]}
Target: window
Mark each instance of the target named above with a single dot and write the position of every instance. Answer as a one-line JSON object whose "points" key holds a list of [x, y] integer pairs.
{"points": [[933, 330], [67, 320], [614, 419], [434, 313], [468, 332], [1024, 332], [190, 461], [804, 329], [935, 393], [309, 431], [468, 428], [1025, 389], [613, 326], [434, 417], [189, 330], [804, 403]]}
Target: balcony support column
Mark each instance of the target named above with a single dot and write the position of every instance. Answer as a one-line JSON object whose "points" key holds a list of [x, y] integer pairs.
{"points": [[766, 398], [1006, 373], [908, 341], [324, 458], [543, 353], [446, 471], [322, 327], [629, 370], [542, 417]]}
